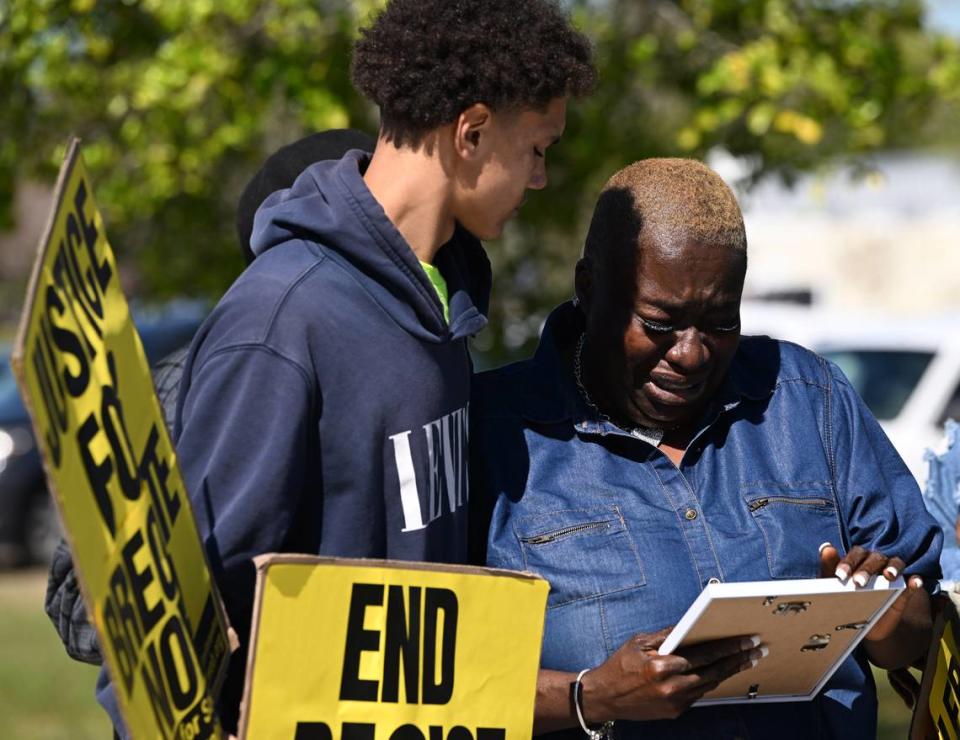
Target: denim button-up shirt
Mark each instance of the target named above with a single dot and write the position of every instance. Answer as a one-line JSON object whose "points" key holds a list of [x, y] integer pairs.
{"points": [[788, 457]]}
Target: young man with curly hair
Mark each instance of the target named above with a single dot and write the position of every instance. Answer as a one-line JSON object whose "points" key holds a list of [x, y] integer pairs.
{"points": [[465, 133], [323, 407]]}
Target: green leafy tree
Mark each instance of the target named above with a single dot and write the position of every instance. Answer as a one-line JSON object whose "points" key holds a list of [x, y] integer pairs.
{"points": [[789, 85], [179, 101]]}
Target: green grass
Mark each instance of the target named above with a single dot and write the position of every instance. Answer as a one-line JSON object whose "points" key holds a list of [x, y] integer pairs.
{"points": [[46, 696], [893, 720]]}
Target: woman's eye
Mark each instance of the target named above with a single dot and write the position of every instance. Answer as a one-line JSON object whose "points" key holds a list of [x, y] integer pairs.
{"points": [[727, 328], [655, 327]]}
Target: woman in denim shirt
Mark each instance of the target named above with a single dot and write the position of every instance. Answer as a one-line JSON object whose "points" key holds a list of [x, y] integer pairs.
{"points": [[648, 450]]}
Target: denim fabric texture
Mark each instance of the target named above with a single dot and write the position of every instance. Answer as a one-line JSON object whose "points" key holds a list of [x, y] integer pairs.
{"points": [[788, 457], [941, 494]]}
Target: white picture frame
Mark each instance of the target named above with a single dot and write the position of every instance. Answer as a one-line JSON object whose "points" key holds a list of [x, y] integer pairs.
{"points": [[809, 626]]}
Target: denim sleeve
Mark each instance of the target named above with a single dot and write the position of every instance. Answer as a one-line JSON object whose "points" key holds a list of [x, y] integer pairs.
{"points": [[880, 501]]}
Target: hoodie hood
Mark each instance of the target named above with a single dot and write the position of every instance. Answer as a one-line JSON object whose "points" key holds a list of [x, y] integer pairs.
{"points": [[330, 205]]}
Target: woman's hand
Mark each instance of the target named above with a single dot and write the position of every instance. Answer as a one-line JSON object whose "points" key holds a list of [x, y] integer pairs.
{"points": [[637, 683], [903, 632]]}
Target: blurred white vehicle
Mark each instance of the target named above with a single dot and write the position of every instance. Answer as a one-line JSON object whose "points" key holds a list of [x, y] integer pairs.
{"points": [[906, 370]]}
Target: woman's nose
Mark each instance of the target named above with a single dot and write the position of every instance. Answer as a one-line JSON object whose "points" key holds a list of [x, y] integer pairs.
{"points": [[689, 352]]}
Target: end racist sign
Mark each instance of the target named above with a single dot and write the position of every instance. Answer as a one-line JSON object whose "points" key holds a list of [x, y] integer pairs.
{"points": [[112, 470], [382, 650]]}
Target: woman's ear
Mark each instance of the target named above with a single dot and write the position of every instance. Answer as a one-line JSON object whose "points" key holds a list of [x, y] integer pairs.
{"points": [[583, 284]]}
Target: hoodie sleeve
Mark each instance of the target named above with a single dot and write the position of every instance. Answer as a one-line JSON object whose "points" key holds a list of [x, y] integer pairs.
{"points": [[244, 436]]}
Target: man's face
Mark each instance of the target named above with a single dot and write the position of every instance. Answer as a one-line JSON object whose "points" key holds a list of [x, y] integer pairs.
{"points": [[513, 159], [659, 358]]}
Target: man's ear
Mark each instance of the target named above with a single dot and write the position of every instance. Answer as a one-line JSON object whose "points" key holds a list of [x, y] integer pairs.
{"points": [[471, 129], [583, 283]]}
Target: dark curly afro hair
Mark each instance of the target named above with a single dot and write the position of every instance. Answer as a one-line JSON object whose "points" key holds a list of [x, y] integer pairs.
{"points": [[426, 61]]}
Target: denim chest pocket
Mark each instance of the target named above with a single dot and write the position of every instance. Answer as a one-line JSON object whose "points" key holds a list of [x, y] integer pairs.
{"points": [[794, 524], [583, 553]]}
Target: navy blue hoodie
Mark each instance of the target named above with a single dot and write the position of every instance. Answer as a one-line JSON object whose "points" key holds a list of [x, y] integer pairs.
{"points": [[323, 407]]}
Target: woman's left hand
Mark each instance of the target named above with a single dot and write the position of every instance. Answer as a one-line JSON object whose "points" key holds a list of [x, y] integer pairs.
{"points": [[860, 565]]}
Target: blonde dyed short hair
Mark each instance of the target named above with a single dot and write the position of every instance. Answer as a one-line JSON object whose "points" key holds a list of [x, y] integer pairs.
{"points": [[666, 200]]}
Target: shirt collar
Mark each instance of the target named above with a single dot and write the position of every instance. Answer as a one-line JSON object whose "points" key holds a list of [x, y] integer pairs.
{"points": [[554, 397], [750, 376]]}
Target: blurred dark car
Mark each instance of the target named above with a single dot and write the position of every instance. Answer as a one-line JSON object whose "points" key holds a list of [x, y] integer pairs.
{"points": [[29, 526]]}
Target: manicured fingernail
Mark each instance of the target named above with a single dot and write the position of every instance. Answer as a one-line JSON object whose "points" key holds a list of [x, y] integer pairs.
{"points": [[824, 546], [842, 572], [891, 572], [916, 581], [757, 654], [749, 642], [860, 579]]}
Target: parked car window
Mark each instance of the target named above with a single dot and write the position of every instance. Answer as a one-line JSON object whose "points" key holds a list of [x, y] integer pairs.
{"points": [[952, 409], [883, 378], [9, 395], [29, 530]]}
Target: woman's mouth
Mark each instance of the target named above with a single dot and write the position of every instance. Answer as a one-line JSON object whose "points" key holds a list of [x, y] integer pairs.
{"points": [[669, 392]]}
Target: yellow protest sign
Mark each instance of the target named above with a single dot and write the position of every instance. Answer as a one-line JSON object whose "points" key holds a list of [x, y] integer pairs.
{"points": [[937, 712], [945, 689], [111, 467], [944, 686], [381, 650]]}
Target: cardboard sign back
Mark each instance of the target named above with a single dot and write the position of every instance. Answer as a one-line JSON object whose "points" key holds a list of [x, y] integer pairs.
{"points": [[809, 626], [113, 473], [369, 648]]}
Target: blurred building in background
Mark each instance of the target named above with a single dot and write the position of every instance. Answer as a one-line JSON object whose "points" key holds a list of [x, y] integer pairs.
{"points": [[864, 267], [884, 241]]}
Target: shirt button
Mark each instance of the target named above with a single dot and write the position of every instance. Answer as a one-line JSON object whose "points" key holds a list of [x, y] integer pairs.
{"points": [[714, 580], [690, 514]]}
